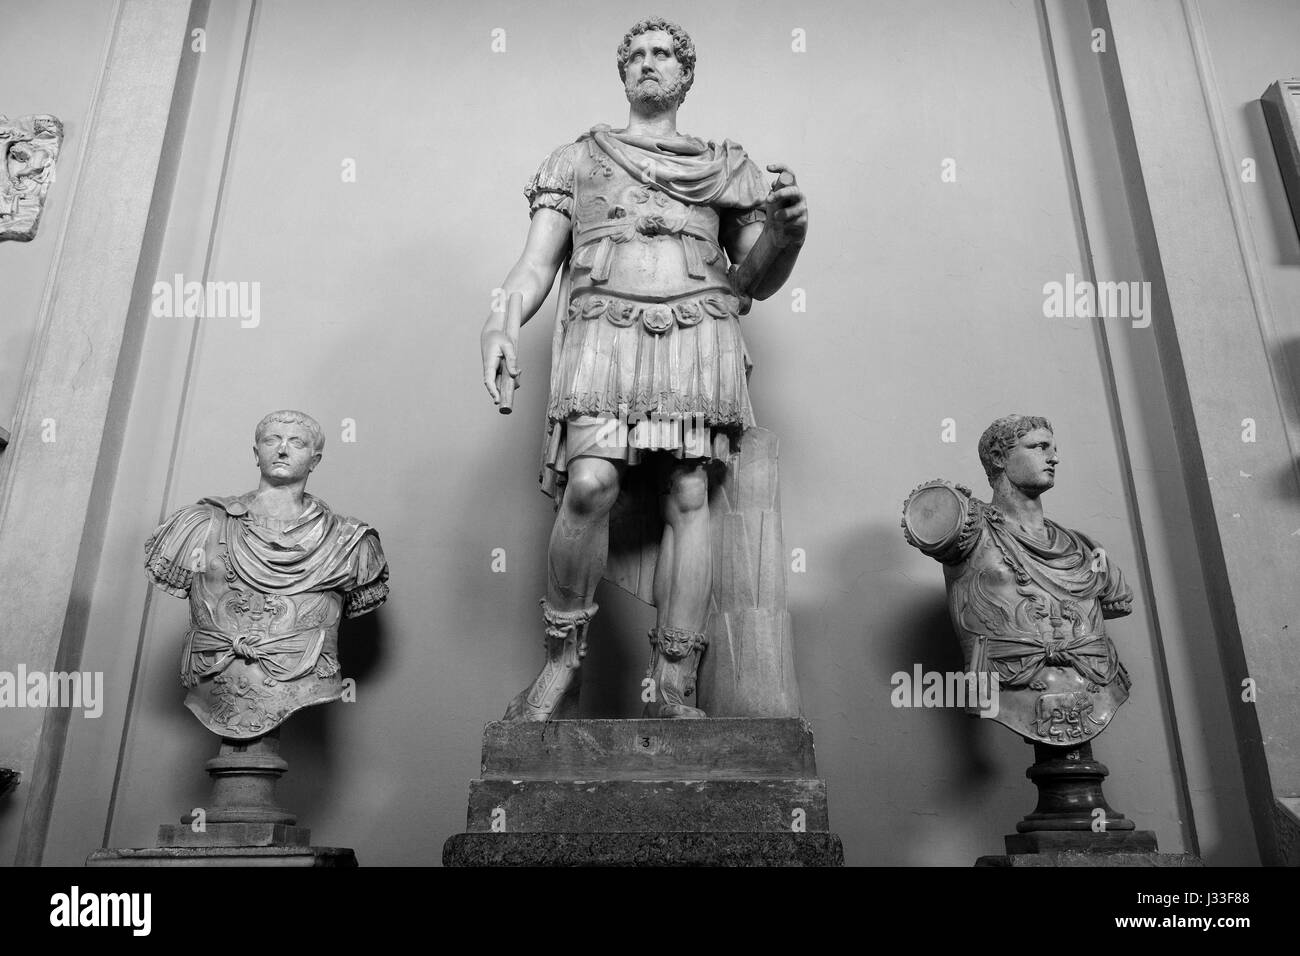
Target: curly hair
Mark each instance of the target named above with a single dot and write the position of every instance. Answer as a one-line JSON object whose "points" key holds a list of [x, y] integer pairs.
{"points": [[1002, 436], [294, 418], [683, 48]]}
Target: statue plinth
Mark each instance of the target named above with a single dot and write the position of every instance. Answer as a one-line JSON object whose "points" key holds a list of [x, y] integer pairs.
{"points": [[710, 792], [242, 825]]}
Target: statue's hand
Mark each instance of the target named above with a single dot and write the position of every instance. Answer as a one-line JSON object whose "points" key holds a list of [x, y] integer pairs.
{"points": [[498, 356], [787, 209]]}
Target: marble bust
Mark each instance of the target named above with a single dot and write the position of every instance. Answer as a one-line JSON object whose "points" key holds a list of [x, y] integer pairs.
{"points": [[269, 576], [1029, 598]]}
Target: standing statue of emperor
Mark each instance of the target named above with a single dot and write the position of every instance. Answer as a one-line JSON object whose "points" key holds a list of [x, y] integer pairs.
{"points": [[667, 239]]}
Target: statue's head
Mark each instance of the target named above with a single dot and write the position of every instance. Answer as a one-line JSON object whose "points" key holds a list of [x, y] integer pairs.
{"points": [[656, 62], [1023, 448], [287, 446]]}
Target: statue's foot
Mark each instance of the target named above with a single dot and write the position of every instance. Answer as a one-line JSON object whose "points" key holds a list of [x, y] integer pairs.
{"points": [[519, 709], [539, 700], [565, 645], [669, 710]]}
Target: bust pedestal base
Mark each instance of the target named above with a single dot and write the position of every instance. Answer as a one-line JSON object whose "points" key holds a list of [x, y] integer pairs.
{"points": [[295, 856], [1070, 803], [241, 826]]}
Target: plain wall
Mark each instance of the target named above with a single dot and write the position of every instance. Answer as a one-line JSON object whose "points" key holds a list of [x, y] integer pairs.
{"points": [[924, 304]]}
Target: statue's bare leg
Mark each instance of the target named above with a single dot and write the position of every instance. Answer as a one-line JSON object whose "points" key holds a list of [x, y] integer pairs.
{"points": [[575, 563], [683, 585]]}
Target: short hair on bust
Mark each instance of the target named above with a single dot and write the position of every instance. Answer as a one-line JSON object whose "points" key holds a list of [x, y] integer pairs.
{"points": [[1002, 436], [292, 417], [683, 48]]}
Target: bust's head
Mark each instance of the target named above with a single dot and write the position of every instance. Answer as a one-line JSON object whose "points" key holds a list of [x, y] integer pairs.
{"points": [[1023, 449], [287, 446], [656, 62]]}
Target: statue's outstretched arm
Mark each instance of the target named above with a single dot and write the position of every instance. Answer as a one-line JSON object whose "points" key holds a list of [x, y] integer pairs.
{"points": [[532, 278]]}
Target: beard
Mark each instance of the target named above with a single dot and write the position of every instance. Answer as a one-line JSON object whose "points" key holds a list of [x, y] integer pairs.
{"points": [[654, 95]]}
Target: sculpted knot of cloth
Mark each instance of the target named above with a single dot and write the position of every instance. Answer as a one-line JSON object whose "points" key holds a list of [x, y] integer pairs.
{"points": [[655, 225], [243, 649]]}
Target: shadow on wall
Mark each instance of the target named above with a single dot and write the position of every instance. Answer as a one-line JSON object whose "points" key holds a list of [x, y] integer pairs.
{"points": [[8, 783], [311, 785], [908, 814], [924, 637]]}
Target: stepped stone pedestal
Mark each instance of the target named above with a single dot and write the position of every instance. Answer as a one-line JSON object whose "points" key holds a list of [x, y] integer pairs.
{"points": [[242, 825], [712, 792], [1060, 830]]}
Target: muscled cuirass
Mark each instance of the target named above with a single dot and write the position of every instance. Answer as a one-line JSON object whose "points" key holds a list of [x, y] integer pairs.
{"points": [[266, 597], [641, 255], [1031, 610], [251, 659], [651, 322]]}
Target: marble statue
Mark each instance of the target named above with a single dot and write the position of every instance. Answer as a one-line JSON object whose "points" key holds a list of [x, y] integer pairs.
{"points": [[269, 575], [664, 240], [29, 148], [1028, 597]]}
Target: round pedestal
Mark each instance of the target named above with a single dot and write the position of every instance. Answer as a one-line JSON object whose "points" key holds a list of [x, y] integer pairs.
{"points": [[244, 774], [1069, 792]]}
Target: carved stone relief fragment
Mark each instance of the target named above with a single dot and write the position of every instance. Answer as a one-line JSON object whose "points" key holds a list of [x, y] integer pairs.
{"points": [[29, 148]]}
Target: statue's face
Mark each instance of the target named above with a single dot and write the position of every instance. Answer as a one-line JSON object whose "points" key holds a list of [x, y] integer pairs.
{"points": [[286, 453], [653, 75], [1030, 465]]}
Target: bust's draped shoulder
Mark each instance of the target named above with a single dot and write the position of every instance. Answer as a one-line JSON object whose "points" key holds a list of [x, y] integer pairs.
{"points": [[552, 185], [369, 573], [1116, 596], [172, 551], [333, 552]]}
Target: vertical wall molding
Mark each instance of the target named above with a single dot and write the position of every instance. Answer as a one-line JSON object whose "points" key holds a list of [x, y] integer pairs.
{"points": [[1059, 31], [51, 509], [1215, 358]]}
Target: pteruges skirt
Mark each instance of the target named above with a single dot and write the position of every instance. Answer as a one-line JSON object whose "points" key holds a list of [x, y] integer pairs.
{"points": [[632, 377]]}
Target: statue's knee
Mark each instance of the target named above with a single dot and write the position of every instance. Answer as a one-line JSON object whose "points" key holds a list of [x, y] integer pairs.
{"points": [[591, 490]]}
